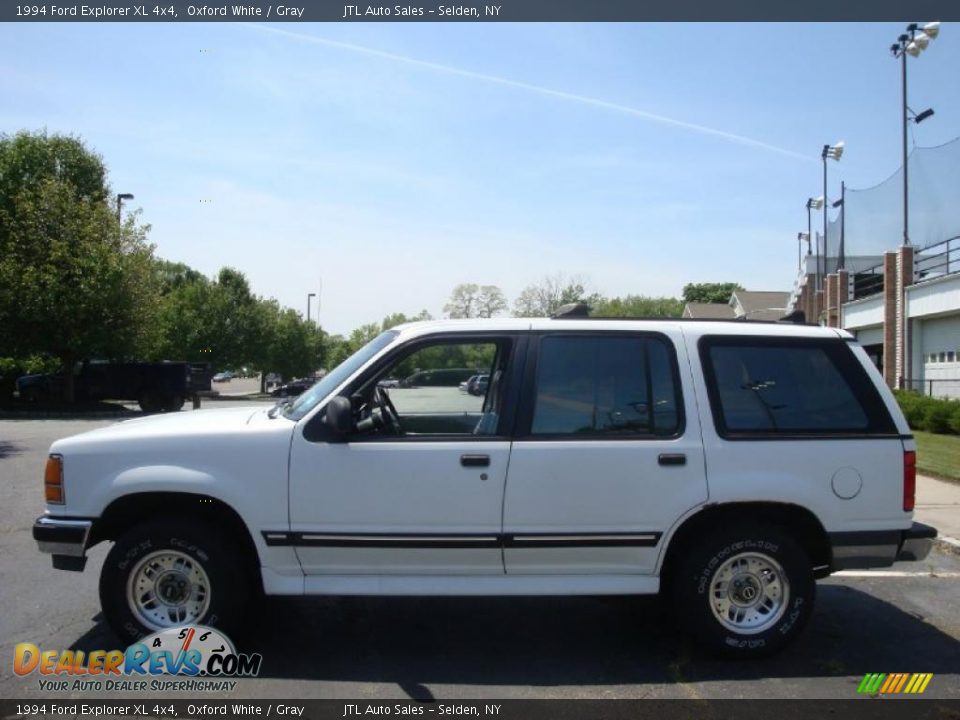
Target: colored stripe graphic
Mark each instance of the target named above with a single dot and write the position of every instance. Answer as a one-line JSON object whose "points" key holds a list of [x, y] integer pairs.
{"points": [[900, 683], [894, 683], [871, 683]]}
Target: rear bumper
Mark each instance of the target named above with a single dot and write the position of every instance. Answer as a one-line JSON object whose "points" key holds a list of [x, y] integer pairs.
{"points": [[917, 542], [880, 548], [65, 539]]}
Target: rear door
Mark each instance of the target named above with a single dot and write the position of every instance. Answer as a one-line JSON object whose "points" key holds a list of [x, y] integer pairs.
{"points": [[607, 454]]}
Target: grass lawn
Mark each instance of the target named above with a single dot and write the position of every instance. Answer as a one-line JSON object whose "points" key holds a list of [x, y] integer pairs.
{"points": [[938, 455]]}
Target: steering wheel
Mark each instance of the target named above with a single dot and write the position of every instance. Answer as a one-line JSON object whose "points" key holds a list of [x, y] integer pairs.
{"points": [[391, 417]]}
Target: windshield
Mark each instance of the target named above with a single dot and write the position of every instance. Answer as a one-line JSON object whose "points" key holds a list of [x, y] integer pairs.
{"points": [[312, 397]]}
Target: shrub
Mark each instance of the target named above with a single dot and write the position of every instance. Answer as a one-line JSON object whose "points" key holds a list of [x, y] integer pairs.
{"points": [[912, 404], [955, 419], [931, 414], [936, 415]]}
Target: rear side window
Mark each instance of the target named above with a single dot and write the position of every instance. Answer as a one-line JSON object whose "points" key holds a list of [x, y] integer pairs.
{"points": [[778, 386], [606, 385]]}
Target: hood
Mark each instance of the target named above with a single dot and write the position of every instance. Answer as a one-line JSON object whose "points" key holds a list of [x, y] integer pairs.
{"points": [[194, 423]]}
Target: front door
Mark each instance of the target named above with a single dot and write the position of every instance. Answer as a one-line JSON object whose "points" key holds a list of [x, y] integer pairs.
{"points": [[417, 489]]}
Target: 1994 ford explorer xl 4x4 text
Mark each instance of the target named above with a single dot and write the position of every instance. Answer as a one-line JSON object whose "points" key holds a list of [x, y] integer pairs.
{"points": [[729, 464]]}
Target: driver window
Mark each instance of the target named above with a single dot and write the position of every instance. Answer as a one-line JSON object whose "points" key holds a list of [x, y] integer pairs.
{"points": [[445, 389]]}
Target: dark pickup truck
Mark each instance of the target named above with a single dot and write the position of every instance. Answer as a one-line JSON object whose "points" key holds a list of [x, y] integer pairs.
{"points": [[157, 386]]}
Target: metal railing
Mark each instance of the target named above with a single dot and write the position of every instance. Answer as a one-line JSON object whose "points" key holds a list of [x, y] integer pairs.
{"points": [[937, 260], [934, 387], [866, 283]]}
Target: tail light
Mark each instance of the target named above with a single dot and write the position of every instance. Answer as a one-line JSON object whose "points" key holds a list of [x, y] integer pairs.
{"points": [[53, 480], [909, 479]]}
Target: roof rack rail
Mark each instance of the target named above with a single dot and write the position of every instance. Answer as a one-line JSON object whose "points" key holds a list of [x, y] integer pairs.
{"points": [[571, 310]]}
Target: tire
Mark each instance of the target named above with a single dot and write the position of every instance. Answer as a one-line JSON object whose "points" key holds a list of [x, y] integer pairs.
{"points": [[745, 592], [204, 582], [173, 403], [32, 395], [148, 401]]}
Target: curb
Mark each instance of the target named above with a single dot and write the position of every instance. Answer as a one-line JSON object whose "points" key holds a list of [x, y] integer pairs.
{"points": [[948, 544]]}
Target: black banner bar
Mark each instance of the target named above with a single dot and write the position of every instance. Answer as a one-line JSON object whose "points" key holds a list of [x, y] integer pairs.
{"points": [[484, 11], [867, 708]]}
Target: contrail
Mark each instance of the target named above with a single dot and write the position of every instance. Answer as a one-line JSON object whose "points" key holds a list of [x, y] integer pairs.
{"points": [[548, 92]]}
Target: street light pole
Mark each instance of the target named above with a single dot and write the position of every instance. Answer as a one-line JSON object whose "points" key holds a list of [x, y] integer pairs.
{"points": [[309, 297], [906, 186], [912, 42], [120, 198]]}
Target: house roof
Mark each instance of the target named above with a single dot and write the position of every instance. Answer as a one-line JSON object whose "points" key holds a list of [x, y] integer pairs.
{"points": [[708, 310]]}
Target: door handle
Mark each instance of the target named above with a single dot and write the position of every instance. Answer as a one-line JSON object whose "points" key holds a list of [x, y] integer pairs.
{"points": [[475, 460], [672, 459]]}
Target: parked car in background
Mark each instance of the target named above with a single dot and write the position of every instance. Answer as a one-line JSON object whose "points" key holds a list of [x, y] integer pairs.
{"points": [[293, 388], [477, 385], [156, 386], [444, 377], [225, 376], [389, 382]]}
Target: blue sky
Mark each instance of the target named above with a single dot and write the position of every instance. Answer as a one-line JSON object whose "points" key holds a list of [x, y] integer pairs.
{"points": [[386, 163]]}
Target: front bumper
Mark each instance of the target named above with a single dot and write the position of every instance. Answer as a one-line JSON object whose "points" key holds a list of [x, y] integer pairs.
{"points": [[880, 548], [65, 539]]}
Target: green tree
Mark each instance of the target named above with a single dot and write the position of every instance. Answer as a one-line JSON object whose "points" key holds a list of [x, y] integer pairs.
{"points": [[219, 321], [395, 319], [638, 306], [709, 292], [469, 300], [73, 283], [294, 346], [542, 299]]}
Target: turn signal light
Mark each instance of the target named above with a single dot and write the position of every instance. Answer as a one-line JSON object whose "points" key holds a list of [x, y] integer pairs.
{"points": [[53, 480], [909, 479]]}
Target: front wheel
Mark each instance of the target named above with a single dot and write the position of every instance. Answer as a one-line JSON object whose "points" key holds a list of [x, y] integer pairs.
{"points": [[745, 592], [169, 573]]}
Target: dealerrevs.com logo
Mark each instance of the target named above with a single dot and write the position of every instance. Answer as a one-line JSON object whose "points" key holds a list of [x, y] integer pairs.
{"points": [[189, 658]]}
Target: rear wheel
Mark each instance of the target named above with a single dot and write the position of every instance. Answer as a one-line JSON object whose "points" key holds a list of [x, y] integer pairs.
{"points": [[31, 395], [170, 573], [745, 592], [148, 401]]}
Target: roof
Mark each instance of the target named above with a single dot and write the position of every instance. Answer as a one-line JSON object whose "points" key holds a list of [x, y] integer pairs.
{"points": [[719, 311], [671, 326]]}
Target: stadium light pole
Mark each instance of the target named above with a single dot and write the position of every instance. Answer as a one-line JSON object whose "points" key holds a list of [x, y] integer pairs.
{"points": [[833, 152], [913, 42], [813, 204], [120, 198]]}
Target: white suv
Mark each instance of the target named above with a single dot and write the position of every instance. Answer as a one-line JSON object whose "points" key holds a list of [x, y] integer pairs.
{"points": [[727, 464]]}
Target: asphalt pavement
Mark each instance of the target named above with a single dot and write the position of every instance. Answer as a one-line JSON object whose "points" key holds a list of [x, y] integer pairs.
{"points": [[905, 619]]}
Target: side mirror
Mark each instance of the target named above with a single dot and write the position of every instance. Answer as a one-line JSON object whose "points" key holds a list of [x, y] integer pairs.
{"points": [[339, 416]]}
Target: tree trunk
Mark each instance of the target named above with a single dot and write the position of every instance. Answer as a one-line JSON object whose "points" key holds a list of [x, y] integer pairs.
{"points": [[263, 381]]}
